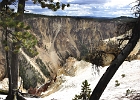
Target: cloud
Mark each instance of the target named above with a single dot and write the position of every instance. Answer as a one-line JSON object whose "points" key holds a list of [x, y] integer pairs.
{"points": [[98, 8], [87, 1]]}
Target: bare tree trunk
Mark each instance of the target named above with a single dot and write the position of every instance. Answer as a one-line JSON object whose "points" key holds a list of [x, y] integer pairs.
{"points": [[8, 69], [7, 55], [111, 70], [14, 67]]}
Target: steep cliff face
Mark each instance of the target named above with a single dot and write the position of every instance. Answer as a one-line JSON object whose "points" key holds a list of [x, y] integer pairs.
{"points": [[62, 37], [59, 38]]}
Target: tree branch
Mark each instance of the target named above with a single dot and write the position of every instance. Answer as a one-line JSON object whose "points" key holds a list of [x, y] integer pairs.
{"points": [[3, 3]]}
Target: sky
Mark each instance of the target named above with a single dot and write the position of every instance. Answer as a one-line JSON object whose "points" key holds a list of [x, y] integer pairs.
{"points": [[97, 8]]}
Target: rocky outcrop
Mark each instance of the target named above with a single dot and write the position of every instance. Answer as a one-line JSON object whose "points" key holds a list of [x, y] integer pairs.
{"points": [[2, 69], [2, 62], [4, 85], [2, 72]]}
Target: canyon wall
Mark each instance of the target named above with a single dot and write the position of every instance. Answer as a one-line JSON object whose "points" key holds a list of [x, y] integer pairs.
{"points": [[60, 38]]}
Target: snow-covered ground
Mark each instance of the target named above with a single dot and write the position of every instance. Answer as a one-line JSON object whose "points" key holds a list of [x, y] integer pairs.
{"points": [[72, 85]]}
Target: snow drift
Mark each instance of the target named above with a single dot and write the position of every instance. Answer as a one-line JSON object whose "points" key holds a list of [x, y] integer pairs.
{"points": [[123, 86]]}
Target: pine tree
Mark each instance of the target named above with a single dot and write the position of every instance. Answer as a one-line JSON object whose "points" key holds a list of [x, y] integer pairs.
{"points": [[85, 92], [12, 41], [15, 36]]}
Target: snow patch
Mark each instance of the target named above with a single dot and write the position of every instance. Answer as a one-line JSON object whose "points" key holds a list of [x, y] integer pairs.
{"points": [[127, 75]]}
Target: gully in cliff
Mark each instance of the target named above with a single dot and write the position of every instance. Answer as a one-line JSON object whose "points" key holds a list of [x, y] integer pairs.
{"points": [[36, 92]]}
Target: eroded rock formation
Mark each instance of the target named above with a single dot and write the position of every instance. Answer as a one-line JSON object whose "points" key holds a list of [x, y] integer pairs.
{"points": [[60, 38]]}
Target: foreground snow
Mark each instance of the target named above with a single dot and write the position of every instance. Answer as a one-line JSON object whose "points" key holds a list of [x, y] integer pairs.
{"points": [[72, 85]]}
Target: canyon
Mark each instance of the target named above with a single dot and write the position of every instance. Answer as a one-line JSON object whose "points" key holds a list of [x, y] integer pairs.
{"points": [[58, 39]]}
